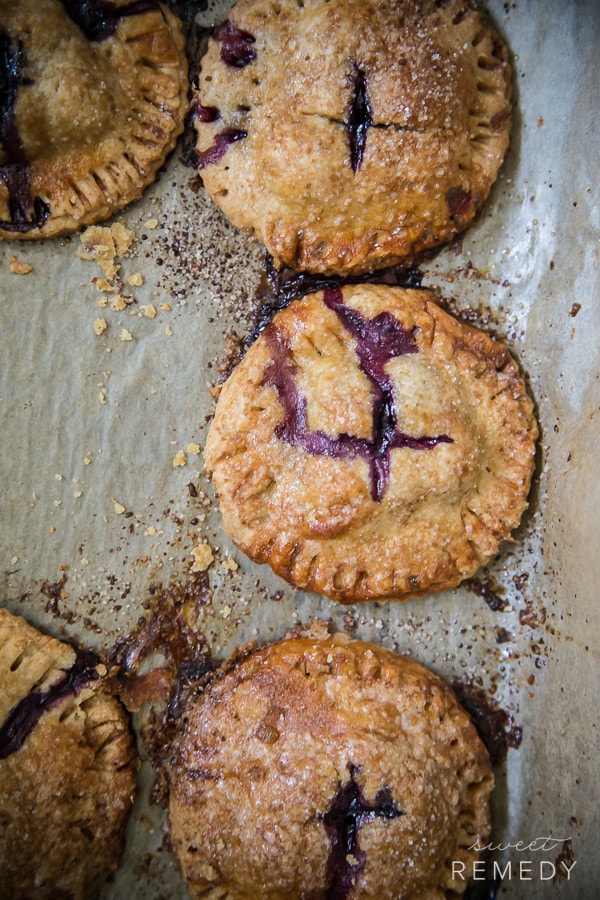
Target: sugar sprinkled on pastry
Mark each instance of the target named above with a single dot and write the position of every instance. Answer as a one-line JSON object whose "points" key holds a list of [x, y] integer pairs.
{"points": [[94, 94], [347, 135], [370, 446], [67, 767], [326, 768]]}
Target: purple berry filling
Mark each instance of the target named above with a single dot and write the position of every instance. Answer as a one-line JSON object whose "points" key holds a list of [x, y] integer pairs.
{"points": [[350, 810], [377, 341], [206, 113], [26, 212], [459, 201], [98, 19], [24, 717], [359, 119], [219, 146], [236, 45]]}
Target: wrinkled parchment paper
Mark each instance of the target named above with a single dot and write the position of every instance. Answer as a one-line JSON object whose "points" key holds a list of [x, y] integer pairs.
{"points": [[104, 411]]}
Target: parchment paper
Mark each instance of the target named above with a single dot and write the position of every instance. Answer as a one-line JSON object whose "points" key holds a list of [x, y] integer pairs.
{"points": [[94, 513]]}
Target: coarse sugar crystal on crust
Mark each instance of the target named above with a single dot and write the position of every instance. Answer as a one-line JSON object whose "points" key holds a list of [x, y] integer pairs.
{"points": [[348, 135], [94, 94], [326, 767], [371, 446], [67, 767]]}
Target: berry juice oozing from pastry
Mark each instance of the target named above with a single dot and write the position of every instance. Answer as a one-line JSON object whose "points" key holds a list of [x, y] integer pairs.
{"points": [[219, 146], [236, 45], [378, 340], [98, 19], [359, 120], [26, 212], [24, 717], [350, 810]]}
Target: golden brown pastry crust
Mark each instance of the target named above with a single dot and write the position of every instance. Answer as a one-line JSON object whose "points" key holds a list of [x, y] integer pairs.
{"points": [[278, 739], [432, 78], [442, 510], [93, 115], [65, 794]]}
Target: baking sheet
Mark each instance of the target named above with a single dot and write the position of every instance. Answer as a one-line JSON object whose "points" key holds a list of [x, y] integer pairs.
{"points": [[97, 513]]}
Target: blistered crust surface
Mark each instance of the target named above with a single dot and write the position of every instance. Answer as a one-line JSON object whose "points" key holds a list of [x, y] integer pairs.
{"points": [[66, 793], [267, 749], [443, 509], [87, 122], [433, 82]]}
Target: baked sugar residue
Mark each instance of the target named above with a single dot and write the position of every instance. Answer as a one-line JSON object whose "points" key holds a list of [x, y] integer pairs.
{"points": [[236, 45], [23, 718], [564, 862], [98, 19], [221, 143], [378, 340], [281, 287], [359, 119], [348, 812], [26, 212], [496, 727], [488, 590], [173, 652]]}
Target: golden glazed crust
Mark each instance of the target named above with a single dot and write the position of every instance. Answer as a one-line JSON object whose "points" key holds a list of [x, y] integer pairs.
{"points": [[66, 792], [370, 446], [276, 153], [272, 752], [95, 101]]}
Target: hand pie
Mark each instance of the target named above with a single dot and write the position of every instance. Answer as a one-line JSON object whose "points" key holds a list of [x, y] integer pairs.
{"points": [[67, 767], [370, 446], [326, 768], [348, 135], [94, 94]]}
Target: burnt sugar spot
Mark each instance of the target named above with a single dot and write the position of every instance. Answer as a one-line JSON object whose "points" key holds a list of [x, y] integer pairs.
{"points": [[26, 212], [23, 718], [221, 143], [496, 727], [280, 287], [359, 118], [349, 811], [98, 19], [378, 340], [236, 45]]}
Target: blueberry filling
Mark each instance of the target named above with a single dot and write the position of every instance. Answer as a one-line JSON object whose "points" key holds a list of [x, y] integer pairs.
{"points": [[350, 810], [459, 201], [206, 113], [378, 340], [219, 146], [359, 119], [98, 19], [23, 718], [26, 212], [236, 45]]}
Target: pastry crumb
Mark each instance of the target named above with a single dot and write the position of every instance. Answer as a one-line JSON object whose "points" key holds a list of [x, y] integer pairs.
{"points": [[180, 459], [229, 564], [193, 449], [151, 224], [118, 507], [100, 326], [125, 335], [19, 266], [135, 280], [149, 311], [150, 531], [203, 557]]}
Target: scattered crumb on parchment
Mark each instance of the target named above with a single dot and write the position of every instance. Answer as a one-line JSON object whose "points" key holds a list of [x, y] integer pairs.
{"points": [[100, 325], [180, 459], [19, 266], [203, 557]]}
